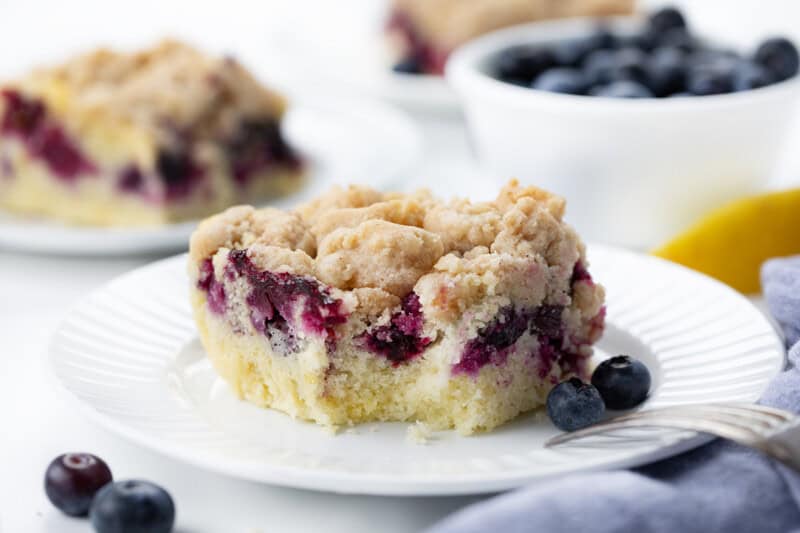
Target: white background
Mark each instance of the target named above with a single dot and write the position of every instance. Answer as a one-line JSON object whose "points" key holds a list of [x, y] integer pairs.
{"points": [[37, 421]]}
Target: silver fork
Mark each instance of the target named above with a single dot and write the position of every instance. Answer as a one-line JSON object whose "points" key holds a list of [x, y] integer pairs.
{"points": [[773, 432]]}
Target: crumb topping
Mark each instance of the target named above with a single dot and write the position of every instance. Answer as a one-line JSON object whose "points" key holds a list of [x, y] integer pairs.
{"points": [[384, 246], [169, 89]]}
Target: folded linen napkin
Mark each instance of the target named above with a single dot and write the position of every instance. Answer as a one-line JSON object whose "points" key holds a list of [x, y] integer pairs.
{"points": [[719, 487]]}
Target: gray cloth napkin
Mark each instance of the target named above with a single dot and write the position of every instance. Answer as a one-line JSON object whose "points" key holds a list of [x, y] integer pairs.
{"points": [[720, 487]]}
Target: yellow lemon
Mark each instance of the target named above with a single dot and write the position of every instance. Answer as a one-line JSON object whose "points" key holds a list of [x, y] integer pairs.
{"points": [[732, 242]]}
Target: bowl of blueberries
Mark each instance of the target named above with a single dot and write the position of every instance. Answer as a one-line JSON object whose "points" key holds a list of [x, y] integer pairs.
{"points": [[640, 123]]}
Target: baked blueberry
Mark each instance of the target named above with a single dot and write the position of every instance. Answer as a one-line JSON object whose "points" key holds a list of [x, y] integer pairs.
{"points": [[779, 56], [622, 89], [132, 506], [573, 404], [561, 80], [665, 19], [623, 382], [409, 65], [72, 479], [520, 65]]}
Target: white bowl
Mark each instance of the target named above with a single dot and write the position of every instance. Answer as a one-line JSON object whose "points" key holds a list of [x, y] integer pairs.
{"points": [[634, 172]]}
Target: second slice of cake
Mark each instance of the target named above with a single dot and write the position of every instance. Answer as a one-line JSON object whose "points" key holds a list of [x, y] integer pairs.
{"points": [[156, 136], [364, 306]]}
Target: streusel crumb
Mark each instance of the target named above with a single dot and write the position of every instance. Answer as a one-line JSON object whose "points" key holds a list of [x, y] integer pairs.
{"points": [[358, 238]]}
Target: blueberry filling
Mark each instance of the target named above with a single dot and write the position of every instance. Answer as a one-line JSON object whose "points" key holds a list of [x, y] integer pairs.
{"points": [[214, 289], [546, 320], [492, 342], [26, 118], [6, 168], [401, 339], [256, 145], [274, 297], [420, 57], [179, 172], [23, 116], [131, 179], [579, 273]]}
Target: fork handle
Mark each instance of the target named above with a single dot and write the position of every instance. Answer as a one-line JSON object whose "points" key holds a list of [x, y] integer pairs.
{"points": [[785, 447]]}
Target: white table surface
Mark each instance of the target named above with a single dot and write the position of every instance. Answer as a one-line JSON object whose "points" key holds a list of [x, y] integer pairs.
{"points": [[38, 421]]}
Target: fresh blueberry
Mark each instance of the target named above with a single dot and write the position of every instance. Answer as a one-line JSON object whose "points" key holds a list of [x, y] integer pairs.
{"points": [[132, 506], [601, 38], [623, 382], [705, 57], [749, 75], [598, 67], [644, 41], [573, 405], [665, 19], [779, 56], [521, 65], [630, 64], [678, 38], [561, 80], [570, 53], [72, 479], [667, 71], [712, 76], [409, 65], [622, 89]]}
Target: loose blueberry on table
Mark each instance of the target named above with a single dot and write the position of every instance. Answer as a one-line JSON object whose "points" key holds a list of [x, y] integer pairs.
{"points": [[662, 60], [72, 479], [132, 506]]}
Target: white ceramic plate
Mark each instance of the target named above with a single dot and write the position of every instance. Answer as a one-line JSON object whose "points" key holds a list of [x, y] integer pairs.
{"points": [[130, 355], [346, 141], [354, 60]]}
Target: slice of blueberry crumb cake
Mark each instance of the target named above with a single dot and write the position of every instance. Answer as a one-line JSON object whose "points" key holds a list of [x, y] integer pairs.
{"points": [[365, 306], [155, 136]]}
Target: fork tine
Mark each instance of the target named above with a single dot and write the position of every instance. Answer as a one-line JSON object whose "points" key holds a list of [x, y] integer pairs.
{"points": [[737, 414], [764, 410], [722, 428]]}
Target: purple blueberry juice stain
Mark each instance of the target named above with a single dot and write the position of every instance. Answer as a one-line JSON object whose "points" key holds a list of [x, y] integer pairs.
{"points": [[131, 179], [275, 296], [420, 52], [492, 343], [401, 339], [547, 357], [62, 157], [22, 116], [546, 320], [215, 291], [179, 172], [579, 273], [6, 168], [26, 118]]}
